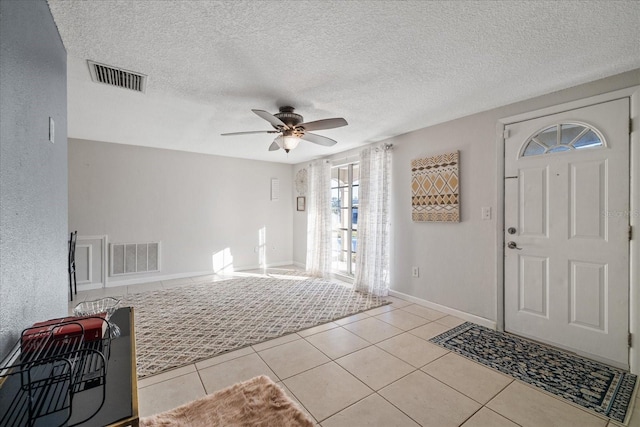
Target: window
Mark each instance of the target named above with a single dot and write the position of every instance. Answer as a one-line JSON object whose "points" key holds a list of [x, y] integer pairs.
{"points": [[562, 137], [344, 217]]}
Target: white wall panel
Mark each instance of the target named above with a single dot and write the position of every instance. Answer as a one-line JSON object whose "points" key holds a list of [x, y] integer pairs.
{"points": [[534, 202], [533, 285], [588, 304], [588, 208]]}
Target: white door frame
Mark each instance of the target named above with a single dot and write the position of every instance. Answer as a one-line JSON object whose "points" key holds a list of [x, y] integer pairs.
{"points": [[634, 167]]}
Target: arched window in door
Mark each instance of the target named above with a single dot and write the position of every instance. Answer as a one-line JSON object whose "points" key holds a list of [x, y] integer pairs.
{"points": [[562, 137]]}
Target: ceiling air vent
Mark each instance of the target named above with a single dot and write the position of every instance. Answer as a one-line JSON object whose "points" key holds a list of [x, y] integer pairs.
{"points": [[117, 77]]}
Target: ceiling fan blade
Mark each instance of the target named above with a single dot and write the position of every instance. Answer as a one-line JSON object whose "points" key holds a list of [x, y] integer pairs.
{"points": [[276, 122], [319, 139], [324, 124], [274, 146], [250, 132]]}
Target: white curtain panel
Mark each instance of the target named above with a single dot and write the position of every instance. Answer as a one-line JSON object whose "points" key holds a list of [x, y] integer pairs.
{"points": [[372, 258], [319, 219]]}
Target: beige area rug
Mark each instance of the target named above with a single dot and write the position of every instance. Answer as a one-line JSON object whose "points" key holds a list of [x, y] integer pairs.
{"points": [[179, 326], [257, 402]]}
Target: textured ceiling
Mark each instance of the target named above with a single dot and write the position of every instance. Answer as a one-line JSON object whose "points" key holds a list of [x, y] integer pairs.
{"points": [[388, 67]]}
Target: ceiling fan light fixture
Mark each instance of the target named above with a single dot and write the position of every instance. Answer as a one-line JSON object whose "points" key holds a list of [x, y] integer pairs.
{"points": [[291, 128], [288, 142]]}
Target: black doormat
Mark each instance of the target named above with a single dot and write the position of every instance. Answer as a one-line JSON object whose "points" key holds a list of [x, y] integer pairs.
{"points": [[590, 384]]}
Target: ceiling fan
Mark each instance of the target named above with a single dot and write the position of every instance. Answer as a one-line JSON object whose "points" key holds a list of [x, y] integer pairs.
{"points": [[291, 128]]}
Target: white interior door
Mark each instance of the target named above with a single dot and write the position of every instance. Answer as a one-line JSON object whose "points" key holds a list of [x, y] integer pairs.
{"points": [[567, 230]]}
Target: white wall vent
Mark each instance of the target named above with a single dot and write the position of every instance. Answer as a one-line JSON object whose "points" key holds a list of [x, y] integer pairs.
{"points": [[132, 258], [113, 76]]}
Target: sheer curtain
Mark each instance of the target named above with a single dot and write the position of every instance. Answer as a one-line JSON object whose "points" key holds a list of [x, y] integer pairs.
{"points": [[319, 219], [372, 260]]}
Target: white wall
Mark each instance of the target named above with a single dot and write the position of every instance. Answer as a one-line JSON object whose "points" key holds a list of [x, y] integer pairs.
{"points": [[198, 205], [456, 260], [33, 171], [458, 266]]}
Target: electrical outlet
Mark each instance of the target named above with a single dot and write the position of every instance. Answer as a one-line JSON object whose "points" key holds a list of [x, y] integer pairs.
{"points": [[486, 213], [415, 272]]}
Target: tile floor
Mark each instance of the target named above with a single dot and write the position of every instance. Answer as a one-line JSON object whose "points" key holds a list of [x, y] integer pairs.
{"points": [[372, 369]]}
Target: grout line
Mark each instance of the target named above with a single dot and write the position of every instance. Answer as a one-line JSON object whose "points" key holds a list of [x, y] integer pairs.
{"points": [[470, 416], [168, 379], [268, 366], [300, 401], [357, 379], [350, 405], [220, 355], [460, 391], [495, 397], [393, 404], [499, 414], [346, 354], [398, 357], [276, 345], [204, 388]]}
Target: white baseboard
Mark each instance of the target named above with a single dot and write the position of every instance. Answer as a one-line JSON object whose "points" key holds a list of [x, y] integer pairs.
{"points": [[147, 279], [488, 323], [269, 265], [89, 286]]}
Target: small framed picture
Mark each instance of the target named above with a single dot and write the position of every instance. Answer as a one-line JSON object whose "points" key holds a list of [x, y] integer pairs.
{"points": [[300, 203]]}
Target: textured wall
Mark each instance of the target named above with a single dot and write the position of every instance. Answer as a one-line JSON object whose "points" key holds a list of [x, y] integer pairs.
{"points": [[198, 205], [33, 171]]}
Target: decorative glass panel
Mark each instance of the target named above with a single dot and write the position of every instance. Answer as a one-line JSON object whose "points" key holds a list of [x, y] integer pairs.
{"points": [[590, 139], [558, 149], [569, 132], [533, 149], [562, 137], [548, 137]]}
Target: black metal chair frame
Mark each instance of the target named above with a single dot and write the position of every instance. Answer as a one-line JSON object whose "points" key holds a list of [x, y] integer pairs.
{"points": [[73, 285]]}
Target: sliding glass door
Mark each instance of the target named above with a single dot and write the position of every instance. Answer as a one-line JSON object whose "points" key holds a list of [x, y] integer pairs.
{"points": [[344, 217]]}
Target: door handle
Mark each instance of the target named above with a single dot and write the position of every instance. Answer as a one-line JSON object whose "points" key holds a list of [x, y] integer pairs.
{"points": [[513, 245]]}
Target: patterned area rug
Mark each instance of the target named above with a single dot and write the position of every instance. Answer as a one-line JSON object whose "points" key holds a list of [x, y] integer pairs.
{"points": [[590, 384], [182, 325]]}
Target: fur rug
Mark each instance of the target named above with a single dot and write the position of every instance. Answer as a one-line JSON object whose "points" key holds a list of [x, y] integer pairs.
{"points": [[256, 402]]}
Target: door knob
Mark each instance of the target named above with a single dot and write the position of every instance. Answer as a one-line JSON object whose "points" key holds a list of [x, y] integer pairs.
{"points": [[513, 245]]}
